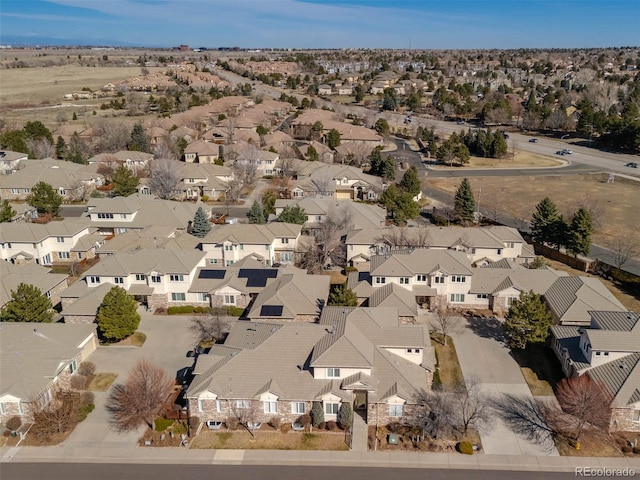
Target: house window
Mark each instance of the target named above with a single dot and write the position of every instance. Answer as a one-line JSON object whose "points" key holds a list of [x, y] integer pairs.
{"points": [[318, 218], [298, 408], [473, 251], [331, 408], [63, 255], [511, 301], [178, 297], [202, 297], [229, 299], [396, 410], [413, 351], [286, 257], [266, 247], [606, 354], [213, 261], [94, 280], [457, 297], [333, 372], [60, 239], [3, 408], [421, 278], [200, 405], [480, 296], [404, 280], [80, 255], [510, 245], [119, 280], [597, 354], [105, 215], [499, 251], [438, 279], [20, 410], [270, 407], [15, 191], [243, 404], [155, 279], [140, 277], [176, 278], [46, 260], [73, 366], [284, 240], [381, 280], [218, 405], [636, 416], [458, 279], [228, 263]]}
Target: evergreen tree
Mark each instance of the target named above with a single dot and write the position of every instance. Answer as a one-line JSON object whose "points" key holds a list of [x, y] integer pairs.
{"points": [[579, 235], [382, 127], [528, 321], [14, 140], [312, 154], [559, 233], [77, 152], [75, 116], [35, 130], [544, 221], [61, 148], [139, 140], [400, 205], [333, 139], [117, 315], [44, 199], [388, 168], [293, 214], [498, 145], [27, 304], [317, 414], [410, 182], [256, 214], [201, 224], [465, 203], [124, 182], [269, 202], [343, 296], [345, 415], [6, 212]]}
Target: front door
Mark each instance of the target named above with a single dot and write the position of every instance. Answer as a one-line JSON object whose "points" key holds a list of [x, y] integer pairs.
{"points": [[360, 403]]}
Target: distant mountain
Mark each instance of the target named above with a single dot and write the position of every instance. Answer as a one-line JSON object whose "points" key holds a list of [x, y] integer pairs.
{"points": [[30, 41]]}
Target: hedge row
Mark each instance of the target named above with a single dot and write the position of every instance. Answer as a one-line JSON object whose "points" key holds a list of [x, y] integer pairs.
{"points": [[185, 309]]}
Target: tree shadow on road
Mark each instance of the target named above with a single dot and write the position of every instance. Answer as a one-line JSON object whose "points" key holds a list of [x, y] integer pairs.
{"points": [[487, 328]]}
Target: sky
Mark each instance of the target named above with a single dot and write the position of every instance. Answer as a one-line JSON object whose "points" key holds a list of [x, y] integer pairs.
{"points": [[417, 24]]}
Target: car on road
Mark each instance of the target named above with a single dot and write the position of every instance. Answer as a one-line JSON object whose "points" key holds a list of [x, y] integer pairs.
{"points": [[632, 165], [461, 122], [567, 151], [533, 140], [560, 152]]}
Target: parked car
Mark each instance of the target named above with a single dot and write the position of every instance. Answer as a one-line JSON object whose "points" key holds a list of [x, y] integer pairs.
{"points": [[533, 140], [632, 165]]}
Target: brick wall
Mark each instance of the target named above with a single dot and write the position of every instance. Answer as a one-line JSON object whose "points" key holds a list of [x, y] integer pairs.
{"points": [[241, 301], [79, 318], [156, 302], [228, 409], [624, 418]]}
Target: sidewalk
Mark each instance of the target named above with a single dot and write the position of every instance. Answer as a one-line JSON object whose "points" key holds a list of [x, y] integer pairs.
{"points": [[177, 455]]}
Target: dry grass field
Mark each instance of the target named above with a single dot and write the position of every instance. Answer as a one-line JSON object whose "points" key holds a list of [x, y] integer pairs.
{"points": [[517, 196], [520, 159]]}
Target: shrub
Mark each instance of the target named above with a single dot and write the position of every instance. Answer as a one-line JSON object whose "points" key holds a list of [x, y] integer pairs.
{"points": [[332, 426], [394, 427], [87, 369], [197, 310], [305, 420], [234, 311], [233, 423], [162, 424], [78, 381], [14, 423], [84, 411], [322, 426], [345, 415], [348, 269], [205, 198], [275, 422], [86, 398], [317, 414], [194, 423], [465, 448], [285, 427]]}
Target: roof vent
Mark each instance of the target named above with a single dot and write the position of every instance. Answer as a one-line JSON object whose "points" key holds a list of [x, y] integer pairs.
{"points": [[623, 365]]}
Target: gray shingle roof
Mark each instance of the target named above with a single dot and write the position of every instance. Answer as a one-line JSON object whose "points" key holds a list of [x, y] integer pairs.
{"points": [[146, 261], [394, 295], [407, 262], [621, 378], [12, 275]]}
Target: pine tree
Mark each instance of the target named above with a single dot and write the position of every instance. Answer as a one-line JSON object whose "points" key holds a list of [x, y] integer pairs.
{"points": [[256, 214], [27, 304], [343, 296], [317, 414], [61, 148], [139, 140], [201, 224], [410, 182], [465, 203], [77, 151], [44, 199], [117, 316], [312, 154], [293, 214], [544, 221], [528, 321], [6, 212], [333, 138], [268, 202], [499, 145], [388, 168], [579, 235], [124, 182]]}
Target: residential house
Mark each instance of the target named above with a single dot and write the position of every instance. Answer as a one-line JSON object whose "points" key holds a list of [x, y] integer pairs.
{"points": [[341, 182], [80, 302], [608, 351], [157, 278], [325, 154], [10, 161], [161, 236], [70, 180], [204, 179], [243, 153], [24, 212], [36, 360], [271, 243], [360, 356], [45, 244], [50, 284], [201, 151], [325, 89], [137, 162]]}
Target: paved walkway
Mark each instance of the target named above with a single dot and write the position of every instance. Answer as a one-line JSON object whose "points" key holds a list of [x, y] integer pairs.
{"points": [[484, 357], [360, 434]]}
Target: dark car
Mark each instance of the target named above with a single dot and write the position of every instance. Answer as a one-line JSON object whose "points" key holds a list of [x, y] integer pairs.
{"points": [[560, 152], [632, 165], [533, 140]]}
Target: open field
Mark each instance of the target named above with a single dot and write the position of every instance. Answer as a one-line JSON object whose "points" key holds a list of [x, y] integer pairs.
{"points": [[520, 159], [517, 197]]}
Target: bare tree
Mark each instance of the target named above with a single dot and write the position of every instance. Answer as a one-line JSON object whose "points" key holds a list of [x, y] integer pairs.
{"points": [[444, 322], [322, 181], [434, 413], [41, 148], [287, 167], [165, 176], [247, 416], [230, 127], [586, 401], [140, 399], [108, 167], [78, 191], [112, 136], [166, 147], [59, 415], [623, 248], [233, 192], [403, 237], [470, 404], [493, 206], [329, 235], [209, 328]]}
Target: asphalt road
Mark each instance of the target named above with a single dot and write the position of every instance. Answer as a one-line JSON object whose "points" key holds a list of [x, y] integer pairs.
{"points": [[102, 471]]}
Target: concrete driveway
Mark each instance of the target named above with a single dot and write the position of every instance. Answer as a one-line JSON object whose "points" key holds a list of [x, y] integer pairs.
{"points": [[483, 355], [168, 340]]}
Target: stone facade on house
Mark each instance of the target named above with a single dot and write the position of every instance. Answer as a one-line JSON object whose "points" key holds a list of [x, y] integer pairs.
{"points": [[622, 420], [221, 410], [242, 300]]}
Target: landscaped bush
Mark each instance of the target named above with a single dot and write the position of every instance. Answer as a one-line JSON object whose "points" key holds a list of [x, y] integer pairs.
{"points": [[348, 269], [87, 369], [285, 427], [233, 423], [234, 311], [304, 420], [317, 414], [465, 447], [85, 410], [332, 426], [162, 424], [87, 398], [205, 198], [13, 424], [182, 309], [276, 422], [194, 423], [78, 381], [322, 426], [345, 415]]}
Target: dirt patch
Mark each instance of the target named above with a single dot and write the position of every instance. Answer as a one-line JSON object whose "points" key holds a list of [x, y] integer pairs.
{"points": [[101, 382], [271, 440], [593, 443], [520, 159], [410, 440], [517, 196]]}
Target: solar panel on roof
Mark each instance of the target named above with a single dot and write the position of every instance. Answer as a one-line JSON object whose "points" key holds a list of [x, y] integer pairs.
{"points": [[257, 272], [256, 281], [214, 274], [271, 311]]}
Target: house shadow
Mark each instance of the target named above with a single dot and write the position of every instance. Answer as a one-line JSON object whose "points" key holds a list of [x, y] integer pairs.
{"points": [[486, 327]]}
